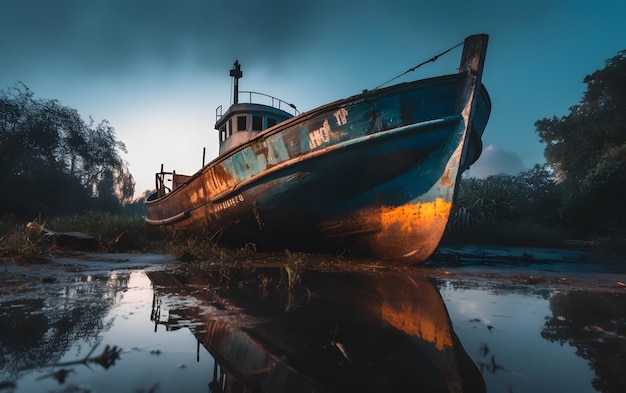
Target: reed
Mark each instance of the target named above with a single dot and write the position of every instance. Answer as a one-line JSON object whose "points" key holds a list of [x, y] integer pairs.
{"points": [[25, 241]]}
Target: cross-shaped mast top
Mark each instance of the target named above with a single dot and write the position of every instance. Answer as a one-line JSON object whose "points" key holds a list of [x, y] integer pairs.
{"points": [[236, 74]]}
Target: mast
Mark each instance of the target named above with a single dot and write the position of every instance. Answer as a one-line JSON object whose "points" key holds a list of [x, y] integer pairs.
{"points": [[236, 74]]}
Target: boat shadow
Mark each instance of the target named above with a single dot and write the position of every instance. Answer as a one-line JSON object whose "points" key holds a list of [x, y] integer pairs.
{"points": [[286, 329]]}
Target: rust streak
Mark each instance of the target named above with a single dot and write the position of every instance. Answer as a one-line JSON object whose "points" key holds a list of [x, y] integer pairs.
{"points": [[446, 179]]}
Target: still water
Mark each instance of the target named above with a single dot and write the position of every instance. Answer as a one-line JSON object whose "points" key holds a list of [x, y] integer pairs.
{"points": [[440, 328]]}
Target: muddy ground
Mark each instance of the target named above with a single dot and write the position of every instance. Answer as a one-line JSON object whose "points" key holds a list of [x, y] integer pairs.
{"points": [[74, 293], [567, 268]]}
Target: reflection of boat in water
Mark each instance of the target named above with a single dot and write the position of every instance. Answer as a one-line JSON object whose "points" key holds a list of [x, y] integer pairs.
{"points": [[376, 172], [342, 332]]}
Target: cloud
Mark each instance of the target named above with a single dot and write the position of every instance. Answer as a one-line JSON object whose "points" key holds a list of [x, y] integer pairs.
{"points": [[494, 161], [108, 36], [114, 35]]}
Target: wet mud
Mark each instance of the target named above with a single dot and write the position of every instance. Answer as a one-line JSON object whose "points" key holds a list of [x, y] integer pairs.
{"points": [[468, 320]]}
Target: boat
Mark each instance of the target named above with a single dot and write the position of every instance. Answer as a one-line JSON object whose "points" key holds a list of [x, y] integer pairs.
{"points": [[375, 173]]}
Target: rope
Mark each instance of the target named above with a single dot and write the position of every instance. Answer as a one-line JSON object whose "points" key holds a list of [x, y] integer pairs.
{"points": [[432, 59]]}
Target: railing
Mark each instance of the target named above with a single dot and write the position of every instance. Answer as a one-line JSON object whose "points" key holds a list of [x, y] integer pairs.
{"points": [[160, 180], [269, 100], [176, 179], [274, 102]]}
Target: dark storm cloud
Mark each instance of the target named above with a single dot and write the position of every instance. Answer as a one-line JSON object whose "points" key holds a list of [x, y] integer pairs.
{"points": [[111, 36], [114, 35]]}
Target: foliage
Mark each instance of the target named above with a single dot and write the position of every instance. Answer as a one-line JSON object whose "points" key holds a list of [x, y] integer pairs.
{"points": [[54, 162], [481, 203], [587, 149], [137, 206]]}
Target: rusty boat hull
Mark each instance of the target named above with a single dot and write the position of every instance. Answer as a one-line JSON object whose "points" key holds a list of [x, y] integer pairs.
{"points": [[375, 173]]}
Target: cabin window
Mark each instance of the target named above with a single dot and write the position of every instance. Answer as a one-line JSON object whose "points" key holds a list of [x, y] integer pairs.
{"points": [[271, 122], [257, 123], [229, 130], [242, 124], [223, 133]]}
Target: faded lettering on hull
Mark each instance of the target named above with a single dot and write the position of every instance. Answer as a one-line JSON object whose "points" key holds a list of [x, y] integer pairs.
{"points": [[325, 133], [341, 116], [319, 136], [230, 202]]}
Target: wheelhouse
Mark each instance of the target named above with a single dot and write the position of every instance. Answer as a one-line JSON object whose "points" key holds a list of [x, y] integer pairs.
{"points": [[243, 121]]}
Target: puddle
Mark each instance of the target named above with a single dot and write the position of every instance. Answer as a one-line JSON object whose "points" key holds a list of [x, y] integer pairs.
{"points": [[44, 340], [550, 341], [328, 331], [143, 328]]}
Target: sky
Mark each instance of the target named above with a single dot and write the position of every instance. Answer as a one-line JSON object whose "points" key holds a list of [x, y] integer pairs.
{"points": [[157, 70]]}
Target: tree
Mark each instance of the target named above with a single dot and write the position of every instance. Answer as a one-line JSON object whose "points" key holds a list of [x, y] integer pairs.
{"points": [[53, 162], [104, 171], [587, 149]]}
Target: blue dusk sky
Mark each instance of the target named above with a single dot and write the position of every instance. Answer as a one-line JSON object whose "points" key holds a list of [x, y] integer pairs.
{"points": [[157, 70]]}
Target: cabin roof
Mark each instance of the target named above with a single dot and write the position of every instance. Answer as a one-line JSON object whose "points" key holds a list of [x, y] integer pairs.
{"points": [[252, 108]]}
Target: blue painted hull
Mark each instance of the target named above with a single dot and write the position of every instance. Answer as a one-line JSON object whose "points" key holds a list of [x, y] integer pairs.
{"points": [[375, 173]]}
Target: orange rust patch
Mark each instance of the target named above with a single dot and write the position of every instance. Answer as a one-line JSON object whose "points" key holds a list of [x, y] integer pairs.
{"points": [[415, 217], [411, 232], [408, 233], [219, 179]]}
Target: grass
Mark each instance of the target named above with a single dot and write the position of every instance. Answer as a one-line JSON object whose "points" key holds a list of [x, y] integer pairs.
{"points": [[113, 233], [118, 233], [24, 241]]}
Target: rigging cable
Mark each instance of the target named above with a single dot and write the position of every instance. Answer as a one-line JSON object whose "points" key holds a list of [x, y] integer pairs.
{"points": [[432, 59]]}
